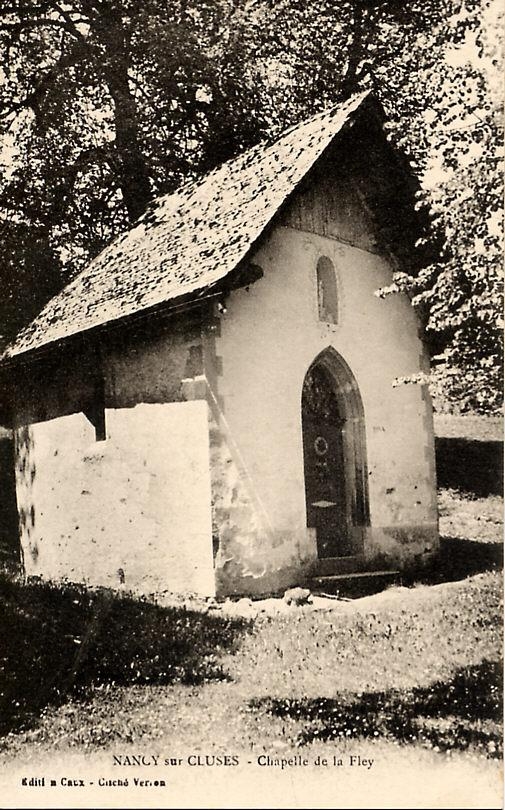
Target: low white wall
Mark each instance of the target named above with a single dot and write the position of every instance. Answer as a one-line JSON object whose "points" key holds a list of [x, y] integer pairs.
{"points": [[138, 502]]}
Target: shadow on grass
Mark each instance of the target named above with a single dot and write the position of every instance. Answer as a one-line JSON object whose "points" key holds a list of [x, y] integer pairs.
{"points": [[60, 640], [470, 466], [459, 558], [461, 714]]}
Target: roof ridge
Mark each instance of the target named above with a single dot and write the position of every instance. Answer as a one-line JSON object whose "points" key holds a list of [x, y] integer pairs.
{"points": [[264, 144], [334, 109]]}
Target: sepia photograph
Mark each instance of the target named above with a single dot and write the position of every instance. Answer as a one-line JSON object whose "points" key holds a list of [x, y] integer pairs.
{"points": [[251, 404]]}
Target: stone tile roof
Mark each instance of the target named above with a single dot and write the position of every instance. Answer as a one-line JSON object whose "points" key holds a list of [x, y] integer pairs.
{"points": [[189, 240]]}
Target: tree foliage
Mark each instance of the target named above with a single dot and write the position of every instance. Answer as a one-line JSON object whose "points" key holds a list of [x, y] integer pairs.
{"points": [[107, 103]]}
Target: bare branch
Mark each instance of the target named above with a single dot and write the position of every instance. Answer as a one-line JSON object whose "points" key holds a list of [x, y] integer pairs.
{"points": [[70, 22], [31, 99], [15, 108]]}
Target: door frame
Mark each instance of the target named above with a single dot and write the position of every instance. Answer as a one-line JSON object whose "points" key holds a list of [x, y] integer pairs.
{"points": [[354, 444]]}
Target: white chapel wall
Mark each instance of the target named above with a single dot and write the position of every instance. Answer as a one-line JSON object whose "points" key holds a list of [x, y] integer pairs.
{"points": [[269, 336]]}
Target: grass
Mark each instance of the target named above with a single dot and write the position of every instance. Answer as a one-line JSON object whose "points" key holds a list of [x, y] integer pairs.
{"points": [[469, 454], [383, 672], [470, 427], [446, 716], [60, 641], [417, 667], [472, 518]]}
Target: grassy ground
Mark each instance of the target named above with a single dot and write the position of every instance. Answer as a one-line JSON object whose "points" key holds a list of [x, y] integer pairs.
{"points": [[412, 673], [423, 670], [417, 665], [472, 428]]}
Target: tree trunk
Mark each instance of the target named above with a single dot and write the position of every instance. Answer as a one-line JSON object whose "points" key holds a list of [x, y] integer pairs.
{"points": [[348, 84], [133, 173]]}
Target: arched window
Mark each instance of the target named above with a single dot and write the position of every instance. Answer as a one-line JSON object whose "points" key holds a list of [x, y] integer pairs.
{"points": [[327, 291]]}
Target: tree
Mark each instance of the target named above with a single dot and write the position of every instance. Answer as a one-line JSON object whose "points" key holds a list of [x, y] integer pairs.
{"points": [[104, 105], [110, 102], [464, 186], [437, 69]]}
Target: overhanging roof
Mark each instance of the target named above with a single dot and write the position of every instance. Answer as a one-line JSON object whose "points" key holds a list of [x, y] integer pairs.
{"points": [[190, 240]]}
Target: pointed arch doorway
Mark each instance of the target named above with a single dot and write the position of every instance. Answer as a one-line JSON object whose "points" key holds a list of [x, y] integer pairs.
{"points": [[336, 486]]}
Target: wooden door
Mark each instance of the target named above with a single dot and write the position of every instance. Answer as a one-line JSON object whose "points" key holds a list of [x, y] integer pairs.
{"points": [[323, 445]]}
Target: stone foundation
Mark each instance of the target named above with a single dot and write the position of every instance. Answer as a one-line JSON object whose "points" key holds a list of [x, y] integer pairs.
{"points": [[404, 548]]}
